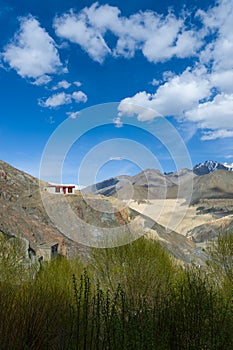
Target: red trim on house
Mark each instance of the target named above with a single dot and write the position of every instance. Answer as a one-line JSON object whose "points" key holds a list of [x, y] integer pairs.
{"points": [[61, 186]]}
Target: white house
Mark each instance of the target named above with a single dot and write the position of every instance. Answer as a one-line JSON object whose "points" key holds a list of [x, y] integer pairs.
{"points": [[61, 189]]}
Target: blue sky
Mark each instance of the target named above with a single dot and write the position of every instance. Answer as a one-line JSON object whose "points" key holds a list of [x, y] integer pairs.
{"points": [[156, 59]]}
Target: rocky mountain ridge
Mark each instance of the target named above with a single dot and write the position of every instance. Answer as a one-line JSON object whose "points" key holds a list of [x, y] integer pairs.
{"points": [[23, 214], [200, 182], [210, 166], [207, 199]]}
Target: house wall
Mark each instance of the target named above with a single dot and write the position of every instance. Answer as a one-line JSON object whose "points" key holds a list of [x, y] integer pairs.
{"points": [[53, 190], [50, 189], [72, 191]]}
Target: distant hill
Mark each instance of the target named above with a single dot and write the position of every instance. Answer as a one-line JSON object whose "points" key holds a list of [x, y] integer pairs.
{"points": [[209, 180], [218, 184], [149, 183]]}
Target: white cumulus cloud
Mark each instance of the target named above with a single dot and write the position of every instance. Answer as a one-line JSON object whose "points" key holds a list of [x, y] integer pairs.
{"points": [[63, 98], [77, 83], [56, 100], [203, 94], [223, 80], [32, 52], [215, 114], [141, 31], [79, 96], [75, 28], [218, 20], [176, 96], [63, 84], [117, 121]]}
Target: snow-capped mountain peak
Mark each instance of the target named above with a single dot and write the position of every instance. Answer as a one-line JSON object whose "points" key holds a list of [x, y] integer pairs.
{"points": [[210, 166], [228, 165]]}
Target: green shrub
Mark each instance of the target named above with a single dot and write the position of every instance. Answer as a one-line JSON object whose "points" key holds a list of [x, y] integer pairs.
{"points": [[130, 297], [142, 268], [221, 260], [199, 315]]}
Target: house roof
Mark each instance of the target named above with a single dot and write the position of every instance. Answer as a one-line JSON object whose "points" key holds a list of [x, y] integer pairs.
{"points": [[62, 186]]}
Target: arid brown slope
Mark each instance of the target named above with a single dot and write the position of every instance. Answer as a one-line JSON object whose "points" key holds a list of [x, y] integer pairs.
{"points": [[23, 214], [209, 231], [216, 185]]}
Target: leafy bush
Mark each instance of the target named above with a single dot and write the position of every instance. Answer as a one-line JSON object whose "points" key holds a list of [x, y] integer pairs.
{"points": [[221, 260], [142, 268], [131, 297]]}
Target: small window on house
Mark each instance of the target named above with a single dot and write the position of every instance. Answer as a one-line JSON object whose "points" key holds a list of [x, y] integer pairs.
{"points": [[70, 190], [57, 189]]}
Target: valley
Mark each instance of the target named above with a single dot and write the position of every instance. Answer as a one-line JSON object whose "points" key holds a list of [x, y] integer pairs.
{"points": [[163, 261], [183, 211]]}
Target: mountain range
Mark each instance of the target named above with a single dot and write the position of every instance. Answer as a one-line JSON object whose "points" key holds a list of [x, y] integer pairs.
{"points": [[148, 200], [206, 180]]}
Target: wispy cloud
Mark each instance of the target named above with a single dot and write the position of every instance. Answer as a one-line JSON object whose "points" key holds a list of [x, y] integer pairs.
{"points": [[218, 134], [73, 115], [116, 158], [42, 80]]}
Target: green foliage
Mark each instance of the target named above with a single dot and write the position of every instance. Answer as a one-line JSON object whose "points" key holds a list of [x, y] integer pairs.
{"points": [[57, 274], [201, 316], [221, 259], [143, 268], [130, 297]]}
